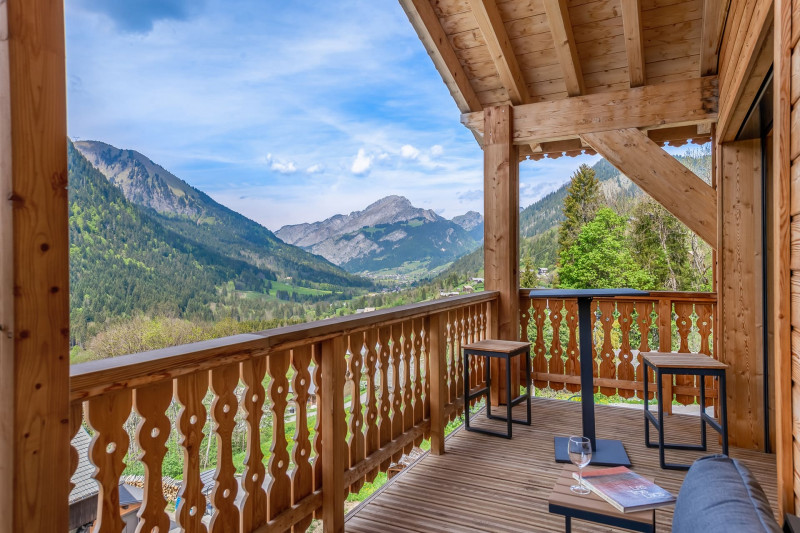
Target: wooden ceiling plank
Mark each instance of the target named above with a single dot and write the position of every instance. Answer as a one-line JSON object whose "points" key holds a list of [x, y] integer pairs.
{"points": [[713, 23], [561, 28], [663, 177], [494, 32], [634, 43], [430, 31], [679, 103]]}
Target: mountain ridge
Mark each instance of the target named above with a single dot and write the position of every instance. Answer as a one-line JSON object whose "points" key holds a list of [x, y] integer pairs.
{"points": [[193, 214], [389, 233]]}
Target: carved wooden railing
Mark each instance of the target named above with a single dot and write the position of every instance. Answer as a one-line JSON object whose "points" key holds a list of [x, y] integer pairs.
{"points": [[663, 321], [405, 360]]}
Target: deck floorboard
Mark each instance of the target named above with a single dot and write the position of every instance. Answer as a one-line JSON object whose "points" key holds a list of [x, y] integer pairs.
{"points": [[485, 483]]}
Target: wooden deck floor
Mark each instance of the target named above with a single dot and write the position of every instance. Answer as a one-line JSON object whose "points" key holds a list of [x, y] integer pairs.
{"points": [[485, 483]]}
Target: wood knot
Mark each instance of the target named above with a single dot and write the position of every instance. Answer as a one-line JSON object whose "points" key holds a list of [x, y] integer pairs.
{"points": [[16, 200]]}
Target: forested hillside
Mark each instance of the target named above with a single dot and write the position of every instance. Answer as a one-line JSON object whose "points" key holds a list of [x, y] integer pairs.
{"points": [[125, 261], [194, 215]]}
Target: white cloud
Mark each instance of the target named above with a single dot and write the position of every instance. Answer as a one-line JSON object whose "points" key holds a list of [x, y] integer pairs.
{"points": [[313, 169], [437, 150], [409, 152], [361, 163], [284, 168]]}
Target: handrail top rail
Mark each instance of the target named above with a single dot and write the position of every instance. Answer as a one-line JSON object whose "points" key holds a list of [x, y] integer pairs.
{"points": [[94, 378], [653, 296]]}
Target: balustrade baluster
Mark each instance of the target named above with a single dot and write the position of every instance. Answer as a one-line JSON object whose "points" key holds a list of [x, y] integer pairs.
{"points": [[538, 316], [384, 353], [372, 436], [106, 415], [355, 443], [556, 363], [644, 318], [151, 404], [302, 475], [419, 406], [705, 324], [254, 506], [189, 391], [75, 422], [397, 388], [458, 341], [607, 367], [683, 320], [408, 383], [316, 376], [625, 370], [223, 412], [426, 346], [452, 364], [572, 366], [280, 486]]}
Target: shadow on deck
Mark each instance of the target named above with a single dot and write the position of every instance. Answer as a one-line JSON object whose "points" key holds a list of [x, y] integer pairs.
{"points": [[485, 483]]}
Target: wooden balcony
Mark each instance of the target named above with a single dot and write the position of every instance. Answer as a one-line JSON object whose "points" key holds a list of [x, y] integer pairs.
{"points": [[486, 483], [406, 365]]}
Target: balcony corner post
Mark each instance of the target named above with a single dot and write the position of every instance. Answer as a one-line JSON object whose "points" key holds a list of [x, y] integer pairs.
{"points": [[438, 382], [501, 231], [333, 429]]}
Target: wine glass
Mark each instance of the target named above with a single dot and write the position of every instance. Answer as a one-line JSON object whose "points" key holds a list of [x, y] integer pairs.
{"points": [[580, 453]]}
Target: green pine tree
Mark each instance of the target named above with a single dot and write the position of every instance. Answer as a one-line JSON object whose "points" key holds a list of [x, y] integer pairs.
{"points": [[580, 205], [528, 277], [662, 245], [601, 258]]}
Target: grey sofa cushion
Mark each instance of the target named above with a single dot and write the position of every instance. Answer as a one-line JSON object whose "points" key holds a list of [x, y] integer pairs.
{"points": [[720, 494]]}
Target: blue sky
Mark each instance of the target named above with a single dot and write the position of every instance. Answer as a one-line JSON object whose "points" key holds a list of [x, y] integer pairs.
{"points": [[287, 111]]}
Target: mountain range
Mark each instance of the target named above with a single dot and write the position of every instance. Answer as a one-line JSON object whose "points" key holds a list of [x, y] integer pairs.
{"points": [[388, 234]]}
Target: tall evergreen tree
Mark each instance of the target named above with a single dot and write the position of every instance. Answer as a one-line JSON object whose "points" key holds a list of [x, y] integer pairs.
{"points": [[580, 205], [662, 245], [601, 257]]}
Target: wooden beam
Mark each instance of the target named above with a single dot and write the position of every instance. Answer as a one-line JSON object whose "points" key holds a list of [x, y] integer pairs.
{"points": [[661, 176], [634, 44], [501, 231], [678, 103], [494, 33], [433, 36], [782, 191], [34, 268], [567, 52], [714, 12]]}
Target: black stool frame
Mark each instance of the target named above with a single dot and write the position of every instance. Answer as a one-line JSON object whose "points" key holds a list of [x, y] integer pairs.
{"points": [[649, 418], [510, 402], [614, 521]]}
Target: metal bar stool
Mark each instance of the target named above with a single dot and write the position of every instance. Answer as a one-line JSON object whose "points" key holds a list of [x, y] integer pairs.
{"points": [[500, 350], [684, 364]]}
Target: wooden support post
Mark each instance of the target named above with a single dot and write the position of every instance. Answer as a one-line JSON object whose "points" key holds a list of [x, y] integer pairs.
{"points": [[740, 275], [501, 232], [34, 269], [783, 191], [333, 426], [438, 333], [665, 345]]}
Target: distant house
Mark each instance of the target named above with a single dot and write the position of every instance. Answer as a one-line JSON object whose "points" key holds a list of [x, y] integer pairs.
{"points": [[543, 271], [476, 280], [83, 498], [365, 310], [468, 288], [445, 293]]}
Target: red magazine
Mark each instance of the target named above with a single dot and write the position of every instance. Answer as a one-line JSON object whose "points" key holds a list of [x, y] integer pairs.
{"points": [[626, 490]]}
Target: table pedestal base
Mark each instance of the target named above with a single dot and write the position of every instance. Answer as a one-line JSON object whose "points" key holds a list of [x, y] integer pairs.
{"points": [[608, 452]]}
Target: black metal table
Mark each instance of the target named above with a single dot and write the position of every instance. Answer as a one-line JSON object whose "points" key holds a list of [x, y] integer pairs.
{"points": [[604, 451], [694, 364], [502, 350]]}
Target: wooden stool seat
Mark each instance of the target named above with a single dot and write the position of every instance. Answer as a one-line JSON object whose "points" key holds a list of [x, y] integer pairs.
{"points": [[501, 350], [692, 364]]}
